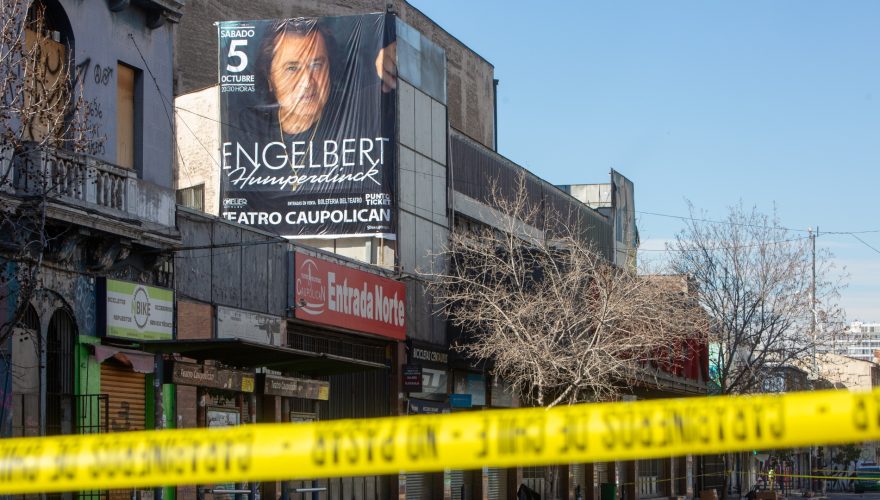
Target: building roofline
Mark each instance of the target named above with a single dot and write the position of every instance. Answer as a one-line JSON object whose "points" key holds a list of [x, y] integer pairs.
{"points": [[435, 23]]}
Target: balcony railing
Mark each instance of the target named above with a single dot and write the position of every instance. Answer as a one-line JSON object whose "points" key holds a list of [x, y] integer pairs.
{"points": [[87, 181]]}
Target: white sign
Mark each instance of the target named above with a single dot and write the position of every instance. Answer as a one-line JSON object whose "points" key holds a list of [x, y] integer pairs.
{"points": [[247, 325]]}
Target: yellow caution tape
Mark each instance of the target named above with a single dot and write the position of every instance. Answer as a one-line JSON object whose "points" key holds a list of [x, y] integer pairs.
{"points": [[838, 478], [496, 438]]}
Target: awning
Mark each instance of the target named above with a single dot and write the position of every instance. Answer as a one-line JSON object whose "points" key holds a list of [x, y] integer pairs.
{"points": [[140, 362], [249, 354]]}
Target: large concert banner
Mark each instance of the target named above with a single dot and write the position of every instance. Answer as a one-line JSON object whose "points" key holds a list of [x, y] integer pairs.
{"points": [[307, 112]]}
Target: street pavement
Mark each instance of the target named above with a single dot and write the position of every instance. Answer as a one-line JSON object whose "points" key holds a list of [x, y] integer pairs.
{"points": [[868, 495]]}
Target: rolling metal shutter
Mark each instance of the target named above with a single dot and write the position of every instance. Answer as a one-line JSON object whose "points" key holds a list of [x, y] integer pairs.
{"points": [[417, 486], [579, 478], [126, 404], [456, 482], [497, 483], [602, 472]]}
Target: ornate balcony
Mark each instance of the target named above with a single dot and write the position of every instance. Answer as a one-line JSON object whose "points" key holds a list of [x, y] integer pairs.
{"points": [[84, 182]]}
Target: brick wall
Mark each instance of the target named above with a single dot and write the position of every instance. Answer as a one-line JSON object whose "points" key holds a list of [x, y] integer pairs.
{"points": [[194, 320]]}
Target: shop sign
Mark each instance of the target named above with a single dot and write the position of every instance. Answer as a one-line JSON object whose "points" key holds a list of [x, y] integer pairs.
{"points": [[336, 295], [300, 418], [434, 381], [460, 401], [274, 385], [247, 325], [209, 376], [423, 407], [135, 311], [412, 378], [223, 417], [429, 355]]}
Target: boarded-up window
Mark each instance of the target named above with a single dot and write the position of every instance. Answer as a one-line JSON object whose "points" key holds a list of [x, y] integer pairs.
{"points": [[125, 116], [46, 91]]}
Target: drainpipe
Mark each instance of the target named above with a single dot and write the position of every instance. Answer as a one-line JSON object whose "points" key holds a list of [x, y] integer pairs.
{"points": [[495, 106]]}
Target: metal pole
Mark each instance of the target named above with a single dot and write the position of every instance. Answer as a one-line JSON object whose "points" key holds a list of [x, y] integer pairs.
{"points": [[158, 407], [813, 327], [813, 302]]}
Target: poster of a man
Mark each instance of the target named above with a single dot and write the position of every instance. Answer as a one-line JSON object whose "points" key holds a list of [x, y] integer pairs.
{"points": [[307, 109]]}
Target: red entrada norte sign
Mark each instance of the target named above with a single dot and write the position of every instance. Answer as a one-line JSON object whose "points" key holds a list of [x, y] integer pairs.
{"points": [[335, 295]]}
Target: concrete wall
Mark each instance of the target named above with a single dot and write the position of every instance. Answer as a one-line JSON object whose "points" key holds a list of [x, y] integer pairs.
{"points": [[854, 374], [470, 91], [102, 39], [197, 126]]}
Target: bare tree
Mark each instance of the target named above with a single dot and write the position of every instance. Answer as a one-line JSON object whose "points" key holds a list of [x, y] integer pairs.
{"points": [[41, 113], [754, 280], [556, 320]]}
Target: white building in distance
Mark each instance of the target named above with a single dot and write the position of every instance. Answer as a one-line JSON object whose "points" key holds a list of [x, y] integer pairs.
{"points": [[865, 341]]}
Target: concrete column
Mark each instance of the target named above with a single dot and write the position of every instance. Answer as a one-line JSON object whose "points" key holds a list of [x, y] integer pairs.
{"points": [[271, 412], [591, 488], [629, 490], [397, 403]]}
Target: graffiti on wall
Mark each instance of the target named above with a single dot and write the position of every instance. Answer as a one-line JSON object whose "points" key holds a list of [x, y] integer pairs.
{"points": [[84, 305], [87, 115]]}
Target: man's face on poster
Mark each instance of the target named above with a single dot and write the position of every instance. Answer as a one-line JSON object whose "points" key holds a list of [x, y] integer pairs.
{"points": [[300, 79]]}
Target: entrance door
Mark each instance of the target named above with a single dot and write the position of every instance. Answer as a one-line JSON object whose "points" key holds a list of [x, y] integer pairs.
{"points": [[60, 341]]}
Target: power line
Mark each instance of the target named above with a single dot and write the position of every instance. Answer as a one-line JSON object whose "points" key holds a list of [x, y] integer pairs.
{"points": [[724, 247], [730, 223], [165, 105], [864, 242]]}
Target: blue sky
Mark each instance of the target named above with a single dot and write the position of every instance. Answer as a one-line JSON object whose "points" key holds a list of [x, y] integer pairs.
{"points": [[713, 102]]}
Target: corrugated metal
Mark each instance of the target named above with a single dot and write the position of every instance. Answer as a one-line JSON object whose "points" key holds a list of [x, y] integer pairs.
{"points": [[358, 395], [126, 405], [711, 469], [417, 486], [601, 472], [319, 341], [126, 402], [456, 484], [352, 395], [476, 171], [578, 477], [497, 489]]}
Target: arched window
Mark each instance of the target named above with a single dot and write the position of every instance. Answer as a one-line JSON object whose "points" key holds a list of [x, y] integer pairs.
{"points": [[54, 22], [60, 375], [24, 360], [48, 50]]}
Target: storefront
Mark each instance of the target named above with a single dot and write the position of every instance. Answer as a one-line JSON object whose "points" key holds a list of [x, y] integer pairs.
{"points": [[426, 380], [127, 315], [345, 310]]}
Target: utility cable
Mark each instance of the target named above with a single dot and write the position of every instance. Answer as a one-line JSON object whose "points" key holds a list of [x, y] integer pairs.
{"points": [[863, 242], [729, 223], [165, 105], [724, 247]]}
